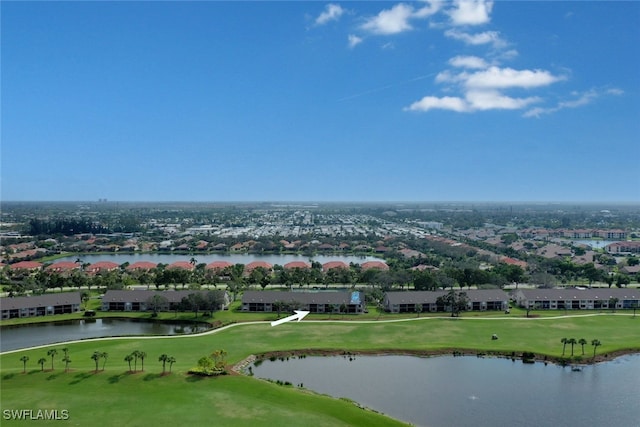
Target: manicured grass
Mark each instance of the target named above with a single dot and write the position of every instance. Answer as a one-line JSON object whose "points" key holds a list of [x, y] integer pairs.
{"points": [[115, 397]]}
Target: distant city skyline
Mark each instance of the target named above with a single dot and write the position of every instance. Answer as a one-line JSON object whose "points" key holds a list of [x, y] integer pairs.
{"points": [[463, 101]]}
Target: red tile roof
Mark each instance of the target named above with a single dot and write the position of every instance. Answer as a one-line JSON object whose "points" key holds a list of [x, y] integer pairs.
{"points": [[255, 264], [63, 266], [102, 265], [379, 265], [142, 265], [26, 265], [218, 265], [296, 264], [185, 265], [334, 264]]}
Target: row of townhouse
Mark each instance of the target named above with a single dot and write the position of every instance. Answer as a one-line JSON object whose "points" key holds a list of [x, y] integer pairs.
{"points": [[479, 300], [314, 302], [577, 298], [40, 305], [143, 300]]}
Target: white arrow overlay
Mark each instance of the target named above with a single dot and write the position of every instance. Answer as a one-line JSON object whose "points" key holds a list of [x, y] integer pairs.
{"points": [[299, 315]]}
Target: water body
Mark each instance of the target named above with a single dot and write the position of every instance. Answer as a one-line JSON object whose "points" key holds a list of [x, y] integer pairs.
{"points": [[451, 391], [594, 243], [208, 258], [23, 336]]}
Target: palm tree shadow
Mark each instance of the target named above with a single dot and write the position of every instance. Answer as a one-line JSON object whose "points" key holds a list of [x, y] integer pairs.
{"points": [[113, 379], [151, 377], [80, 377], [53, 376], [8, 377], [194, 378]]}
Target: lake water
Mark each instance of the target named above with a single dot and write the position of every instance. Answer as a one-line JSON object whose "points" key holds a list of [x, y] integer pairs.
{"points": [[23, 336], [208, 258], [449, 391], [594, 243]]}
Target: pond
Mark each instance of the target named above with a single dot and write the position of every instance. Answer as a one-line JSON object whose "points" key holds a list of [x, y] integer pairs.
{"points": [[468, 391], [23, 336]]}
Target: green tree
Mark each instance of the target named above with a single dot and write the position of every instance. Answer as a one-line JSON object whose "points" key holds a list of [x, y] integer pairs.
{"points": [[104, 355], [573, 342], [163, 358], [582, 342], [128, 358], [136, 355], [96, 358], [24, 360], [52, 352], [595, 344], [41, 362], [418, 309], [453, 301], [564, 342], [171, 360], [66, 361], [142, 355]]}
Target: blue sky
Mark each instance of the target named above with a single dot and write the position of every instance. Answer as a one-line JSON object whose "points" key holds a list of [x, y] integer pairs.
{"points": [[319, 101]]}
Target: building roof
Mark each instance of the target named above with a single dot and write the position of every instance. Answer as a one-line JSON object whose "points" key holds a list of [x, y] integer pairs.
{"points": [[218, 265], [255, 264], [378, 265], [296, 264], [63, 266], [144, 295], [103, 265], [329, 297], [45, 300], [26, 265], [430, 297], [334, 264], [142, 265], [184, 265], [603, 294]]}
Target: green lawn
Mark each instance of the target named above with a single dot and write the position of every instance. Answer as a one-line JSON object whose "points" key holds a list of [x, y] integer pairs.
{"points": [[115, 397]]}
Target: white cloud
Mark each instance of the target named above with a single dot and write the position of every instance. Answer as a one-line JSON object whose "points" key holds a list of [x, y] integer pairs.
{"points": [[432, 7], [354, 40], [502, 78], [483, 89], [470, 12], [390, 21], [580, 100], [494, 100], [445, 103], [486, 37], [468, 62], [332, 12]]}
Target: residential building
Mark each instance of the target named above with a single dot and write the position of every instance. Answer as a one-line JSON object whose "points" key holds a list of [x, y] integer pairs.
{"points": [[314, 302], [577, 298], [139, 300], [40, 305], [479, 300]]}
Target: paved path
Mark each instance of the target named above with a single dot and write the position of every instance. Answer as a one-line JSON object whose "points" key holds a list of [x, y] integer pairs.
{"points": [[350, 322]]}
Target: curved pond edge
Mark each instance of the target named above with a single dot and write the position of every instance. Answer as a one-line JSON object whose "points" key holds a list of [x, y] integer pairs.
{"points": [[525, 357]]}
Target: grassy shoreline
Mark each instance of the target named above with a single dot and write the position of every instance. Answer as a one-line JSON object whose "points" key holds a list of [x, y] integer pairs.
{"points": [[140, 398]]}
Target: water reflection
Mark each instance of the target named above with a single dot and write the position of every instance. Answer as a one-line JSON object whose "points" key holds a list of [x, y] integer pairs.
{"points": [[23, 336], [468, 391]]}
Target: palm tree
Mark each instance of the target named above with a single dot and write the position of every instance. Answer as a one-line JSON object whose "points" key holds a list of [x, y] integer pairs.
{"points": [[163, 358], [595, 344], [135, 354], [66, 361], [171, 361], [564, 342], [128, 358], [96, 357], [142, 355], [24, 360], [582, 342], [573, 342], [52, 352], [42, 361], [104, 356]]}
